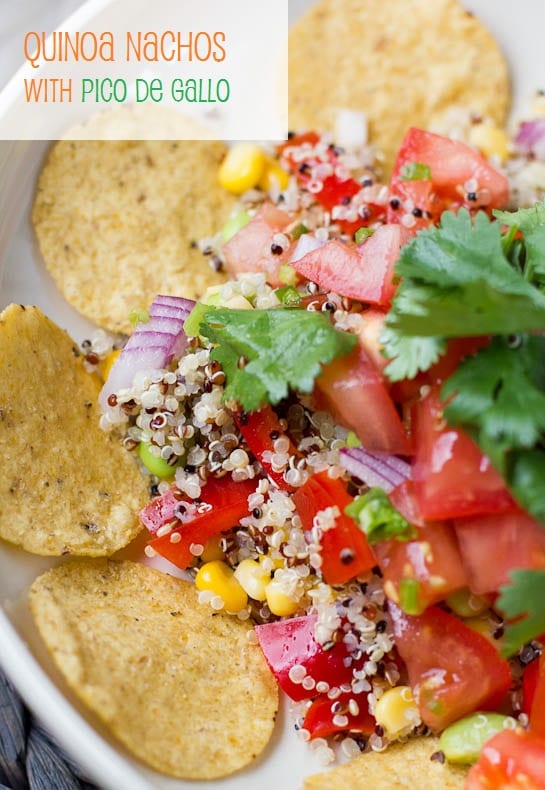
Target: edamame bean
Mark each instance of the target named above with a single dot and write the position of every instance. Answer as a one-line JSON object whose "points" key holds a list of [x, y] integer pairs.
{"points": [[462, 741]]}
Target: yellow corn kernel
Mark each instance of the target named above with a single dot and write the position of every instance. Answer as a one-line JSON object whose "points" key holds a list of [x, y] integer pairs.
{"points": [[274, 176], [253, 579], [491, 140], [218, 577], [107, 364], [242, 168], [212, 550], [397, 711], [278, 602]]}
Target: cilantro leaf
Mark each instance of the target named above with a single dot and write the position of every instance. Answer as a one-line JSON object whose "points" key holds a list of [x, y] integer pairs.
{"points": [[522, 601], [378, 518], [410, 354], [499, 399], [457, 282], [531, 223], [265, 352]]}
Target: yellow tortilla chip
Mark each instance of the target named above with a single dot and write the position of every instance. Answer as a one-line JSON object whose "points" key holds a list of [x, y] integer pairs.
{"points": [[183, 689], [403, 62], [115, 222], [66, 486], [403, 766]]}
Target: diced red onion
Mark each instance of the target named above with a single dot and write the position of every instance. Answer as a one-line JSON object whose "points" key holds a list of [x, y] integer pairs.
{"points": [[382, 471], [531, 137], [305, 244], [153, 345]]}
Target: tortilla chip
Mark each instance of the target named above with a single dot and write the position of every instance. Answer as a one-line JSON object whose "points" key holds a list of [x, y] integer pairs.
{"points": [[115, 221], [403, 62], [66, 486], [183, 689], [402, 766]]}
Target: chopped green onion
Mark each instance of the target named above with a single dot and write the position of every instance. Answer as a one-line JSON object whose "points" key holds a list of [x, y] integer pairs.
{"points": [[233, 225], [415, 171], [352, 440], [192, 323], [287, 274], [362, 234], [299, 230], [408, 596], [378, 518], [138, 317], [289, 296]]}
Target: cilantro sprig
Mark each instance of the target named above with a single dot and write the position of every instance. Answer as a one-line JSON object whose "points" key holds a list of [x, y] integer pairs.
{"points": [[522, 602], [456, 282], [264, 353], [531, 223]]}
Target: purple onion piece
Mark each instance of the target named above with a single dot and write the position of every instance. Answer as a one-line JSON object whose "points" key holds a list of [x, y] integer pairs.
{"points": [[382, 471], [531, 137]]}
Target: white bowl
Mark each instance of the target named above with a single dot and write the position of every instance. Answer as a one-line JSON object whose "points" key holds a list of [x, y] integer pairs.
{"points": [[520, 31]]}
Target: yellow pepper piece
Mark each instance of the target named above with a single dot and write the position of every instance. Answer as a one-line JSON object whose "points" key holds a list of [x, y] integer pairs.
{"points": [[242, 168], [218, 577]]}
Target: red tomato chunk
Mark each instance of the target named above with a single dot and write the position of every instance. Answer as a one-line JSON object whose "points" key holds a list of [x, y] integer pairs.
{"points": [[511, 760], [250, 249], [322, 718], [453, 670]]}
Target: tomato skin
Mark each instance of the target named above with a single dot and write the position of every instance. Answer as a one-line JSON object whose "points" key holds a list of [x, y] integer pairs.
{"points": [[433, 559], [452, 478], [286, 643], [537, 710], [355, 393], [249, 250], [345, 539], [256, 428], [228, 503], [319, 717], [510, 760], [365, 273], [161, 510], [452, 164], [494, 545], [453, 670]]}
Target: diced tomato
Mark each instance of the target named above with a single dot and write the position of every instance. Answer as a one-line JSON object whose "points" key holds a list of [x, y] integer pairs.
{"points": [[221, 506], [433, 560], [365, 273], [452, 478], [453, 670], [510, 760], [319, 718], [287, 643], [249, 250], [305, 155], [537, 711], [529, 684], [404, 500], [260, 430], [453, 165], [355, 393], [345, 551], [493, 545]]}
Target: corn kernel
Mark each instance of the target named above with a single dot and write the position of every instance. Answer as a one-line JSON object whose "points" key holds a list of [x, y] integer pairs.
{"points": [[274, 176], [278, 602], [107, 364], [397, 711], [212, 550], [242, 168], [490, 140], [218, 577], [253, 579]]}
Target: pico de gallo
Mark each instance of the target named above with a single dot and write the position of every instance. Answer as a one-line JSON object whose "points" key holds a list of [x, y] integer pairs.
{"points": [[346, 443]]}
